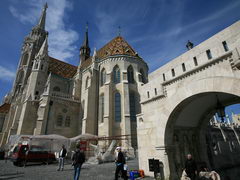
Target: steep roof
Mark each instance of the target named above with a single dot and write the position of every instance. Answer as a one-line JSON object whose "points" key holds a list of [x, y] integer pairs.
{"points": [[117, 46], [4, 108], [61, 68]]}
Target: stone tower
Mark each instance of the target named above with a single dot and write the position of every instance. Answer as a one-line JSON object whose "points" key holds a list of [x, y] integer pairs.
{"points": [[20, 94]]}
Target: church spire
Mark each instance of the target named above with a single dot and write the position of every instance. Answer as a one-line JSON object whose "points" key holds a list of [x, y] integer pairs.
{"points": [[85, 42], [42, 20], [85, 49]]}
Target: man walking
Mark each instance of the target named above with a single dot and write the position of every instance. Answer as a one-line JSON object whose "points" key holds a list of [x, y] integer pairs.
{"points": [[78, 159], [62, 155], [190, 167], [120, 161]]}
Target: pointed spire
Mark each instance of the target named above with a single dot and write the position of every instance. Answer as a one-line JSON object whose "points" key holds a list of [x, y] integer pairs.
{"points": [[42, 19], [85, 49], [44, 48], [85, 42]]}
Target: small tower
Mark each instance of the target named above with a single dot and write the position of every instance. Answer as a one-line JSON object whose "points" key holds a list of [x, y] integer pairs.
{"points": [[85, 50]]}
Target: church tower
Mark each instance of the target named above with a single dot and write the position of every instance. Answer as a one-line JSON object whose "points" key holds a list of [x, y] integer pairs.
{"points": [[20, 98], [31, 45]]}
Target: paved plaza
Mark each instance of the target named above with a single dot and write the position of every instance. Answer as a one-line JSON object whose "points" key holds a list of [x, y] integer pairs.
{"points": [[42, 172]]}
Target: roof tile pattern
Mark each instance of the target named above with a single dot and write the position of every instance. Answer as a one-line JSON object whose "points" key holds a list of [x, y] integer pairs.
{"points": [[4, 108], [117, 46], [61, 68]]}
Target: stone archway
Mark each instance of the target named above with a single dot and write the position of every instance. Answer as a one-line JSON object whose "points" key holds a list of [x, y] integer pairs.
{"points": [[186, 129]]}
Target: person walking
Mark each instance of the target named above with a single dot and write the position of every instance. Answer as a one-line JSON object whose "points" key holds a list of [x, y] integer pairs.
{"points": [[62, 155], [190, 167], [78, 159], [120, 161]]}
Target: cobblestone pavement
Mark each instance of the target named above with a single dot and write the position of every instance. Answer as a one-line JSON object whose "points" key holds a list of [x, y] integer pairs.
{"points": [[45, 172]]}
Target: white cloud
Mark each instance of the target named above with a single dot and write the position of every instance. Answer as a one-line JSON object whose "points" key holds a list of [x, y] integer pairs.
{"points": [[6, 74], [61, 37]]}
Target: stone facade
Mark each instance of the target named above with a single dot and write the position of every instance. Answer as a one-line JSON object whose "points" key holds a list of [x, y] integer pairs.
{"points": [[182, 96], [99, 96]]}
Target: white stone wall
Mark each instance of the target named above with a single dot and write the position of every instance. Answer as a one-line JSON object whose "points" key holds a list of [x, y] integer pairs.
{"points": [[215, 75]]}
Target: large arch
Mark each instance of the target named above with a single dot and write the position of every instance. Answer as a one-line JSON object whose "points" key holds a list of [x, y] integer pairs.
{"points": [[189, 111]]}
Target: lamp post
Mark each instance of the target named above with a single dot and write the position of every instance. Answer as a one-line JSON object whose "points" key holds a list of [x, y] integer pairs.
{"points": [[220, 110]]}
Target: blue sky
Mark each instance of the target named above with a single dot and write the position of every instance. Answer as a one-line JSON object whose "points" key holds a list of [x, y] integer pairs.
{"points": [[157, 29]]}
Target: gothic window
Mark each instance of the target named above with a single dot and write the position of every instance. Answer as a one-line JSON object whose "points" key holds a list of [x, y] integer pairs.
{"points": [[101, 108], [25, 59], [130, 74], [117, 107], [67, 121], [103, 77], [20, 76], [132, 107], [42, 67], [59, 120], [56, 88], [87, 83], [142, 79], [116, 75]]}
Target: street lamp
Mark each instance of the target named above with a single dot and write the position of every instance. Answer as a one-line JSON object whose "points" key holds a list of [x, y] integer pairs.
{"points": [[220, 110]]}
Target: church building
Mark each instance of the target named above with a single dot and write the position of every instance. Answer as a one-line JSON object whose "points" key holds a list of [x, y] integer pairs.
{"points": [[49, 96]]}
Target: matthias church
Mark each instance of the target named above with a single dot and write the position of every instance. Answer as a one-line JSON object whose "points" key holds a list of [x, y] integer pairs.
{"points": [[99, 96]]}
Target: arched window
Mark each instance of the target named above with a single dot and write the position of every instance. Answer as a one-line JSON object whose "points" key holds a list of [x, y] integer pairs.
{"points": [[116, 75], [56, 88], [67, 121], [117, 107], [130, 74], [20, 76], [142, 76], [132, 104], [87, 83], [25, 59], [103, 77], [101, 109], [59, 120]]}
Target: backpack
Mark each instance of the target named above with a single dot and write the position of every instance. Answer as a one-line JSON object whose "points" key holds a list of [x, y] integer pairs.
{"points": [[78, 158]]}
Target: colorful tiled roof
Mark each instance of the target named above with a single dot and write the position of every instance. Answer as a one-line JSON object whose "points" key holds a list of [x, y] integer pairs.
{"points": [[5, 108], [117, 46], [61, 68]]}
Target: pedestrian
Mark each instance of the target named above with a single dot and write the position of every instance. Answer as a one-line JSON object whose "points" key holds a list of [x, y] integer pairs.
{"points": [[62, 155], [190, 167], [120, 162], [78, 159]]}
